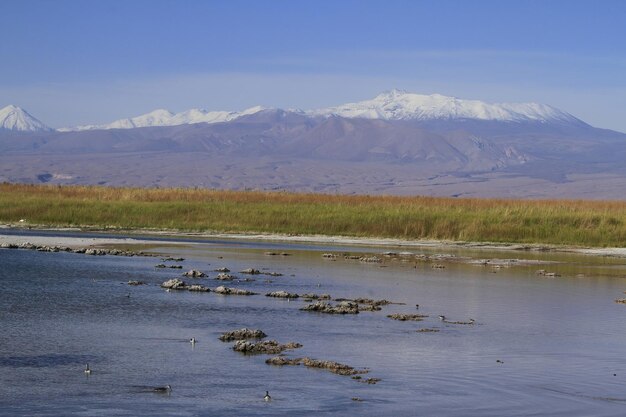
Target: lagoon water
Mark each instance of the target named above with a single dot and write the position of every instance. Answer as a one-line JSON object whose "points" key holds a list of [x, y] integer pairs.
{"points": [[562, 340]]}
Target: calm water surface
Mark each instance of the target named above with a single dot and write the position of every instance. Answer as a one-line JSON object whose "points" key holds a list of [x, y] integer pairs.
{"points": [[562, 340]]}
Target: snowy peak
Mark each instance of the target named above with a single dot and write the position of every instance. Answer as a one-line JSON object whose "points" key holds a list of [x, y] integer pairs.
{"points": [[163, 117], [402, 105], [17, 119]]}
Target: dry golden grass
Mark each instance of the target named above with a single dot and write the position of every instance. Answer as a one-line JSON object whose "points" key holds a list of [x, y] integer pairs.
{"points": [[565, 222]]}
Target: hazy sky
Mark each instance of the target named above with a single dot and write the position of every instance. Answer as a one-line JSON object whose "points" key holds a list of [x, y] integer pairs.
{"points": [[77, 62]]}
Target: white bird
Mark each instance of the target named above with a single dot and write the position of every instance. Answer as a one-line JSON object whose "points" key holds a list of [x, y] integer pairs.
{"points": [[192, 340], [87, 370], [267, 396]]}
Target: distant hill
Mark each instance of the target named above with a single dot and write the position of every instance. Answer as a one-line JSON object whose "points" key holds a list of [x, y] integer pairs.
{"points": [[396, 143]]}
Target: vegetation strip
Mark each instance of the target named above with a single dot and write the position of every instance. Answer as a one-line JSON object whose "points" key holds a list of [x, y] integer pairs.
{"points": [[560, 222]]}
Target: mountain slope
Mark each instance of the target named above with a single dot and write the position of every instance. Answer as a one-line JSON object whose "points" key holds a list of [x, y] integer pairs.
{"points": [[16, 119], [163, 117], [401, 105]]}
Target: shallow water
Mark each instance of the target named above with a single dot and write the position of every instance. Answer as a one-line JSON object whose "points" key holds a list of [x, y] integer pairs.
{"points": [[561, 339]]}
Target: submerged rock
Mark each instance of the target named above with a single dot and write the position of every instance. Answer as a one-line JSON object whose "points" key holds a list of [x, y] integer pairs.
{"points": [[222, 270], [136, 283], [334, 367], [405, 317], [242, 334], [232, 291], [194, 273], [368, 307], [198, 288], [282, 294], [373, 302], [311, 296], [273, 274], [370, 259], [264, 347], [371, 380], [344, 307], [94, 251], [282, 360], [223, 276], [174, 284], [427, 330]]}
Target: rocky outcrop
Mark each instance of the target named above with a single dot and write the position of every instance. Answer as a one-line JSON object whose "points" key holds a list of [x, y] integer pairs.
{"points": [[250, 271], [407, 317], [224, 269], [194, 273], [223, 276], [242, 334], [310, 296], [273, 274], [343, 307], [174, 284], [232, 291], [370, 259], [331, 366], [282, 294], [372, 302], [268, 347], [86, 251]]}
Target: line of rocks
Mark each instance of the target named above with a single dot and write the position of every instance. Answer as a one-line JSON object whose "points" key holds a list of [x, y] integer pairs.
{"points": [[272, 347], [86, 251], [343, 307], [267, 347], [407, 317], [331, 366], [242, 334]]}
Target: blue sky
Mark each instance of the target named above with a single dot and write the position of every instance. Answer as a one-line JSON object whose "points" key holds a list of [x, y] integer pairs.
{"points": [[76, 62]]}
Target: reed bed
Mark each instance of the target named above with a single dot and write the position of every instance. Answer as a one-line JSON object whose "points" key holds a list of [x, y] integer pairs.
{"points": [[559, 222]]}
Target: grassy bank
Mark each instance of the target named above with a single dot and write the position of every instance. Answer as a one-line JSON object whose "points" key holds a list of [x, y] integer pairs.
{"points": [[560, 222]]}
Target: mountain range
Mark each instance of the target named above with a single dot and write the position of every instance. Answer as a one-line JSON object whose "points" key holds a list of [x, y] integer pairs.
{"points": [[395, 143]]}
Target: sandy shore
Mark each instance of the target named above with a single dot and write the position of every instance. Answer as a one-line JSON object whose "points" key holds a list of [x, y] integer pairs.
{"points": [[75, 242]]}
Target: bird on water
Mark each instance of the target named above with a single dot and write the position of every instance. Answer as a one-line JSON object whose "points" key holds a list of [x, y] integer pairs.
{"points": [[87, 370], [164, 389], [267, 396]]}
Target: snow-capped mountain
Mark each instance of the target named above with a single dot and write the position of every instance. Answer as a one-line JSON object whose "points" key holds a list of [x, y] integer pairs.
{"points": [[401, 105], [390, 105], [162, 117], [17, 119]]}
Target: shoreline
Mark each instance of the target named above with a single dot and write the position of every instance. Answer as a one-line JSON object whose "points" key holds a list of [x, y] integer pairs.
{"points": [[275, 237]]}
